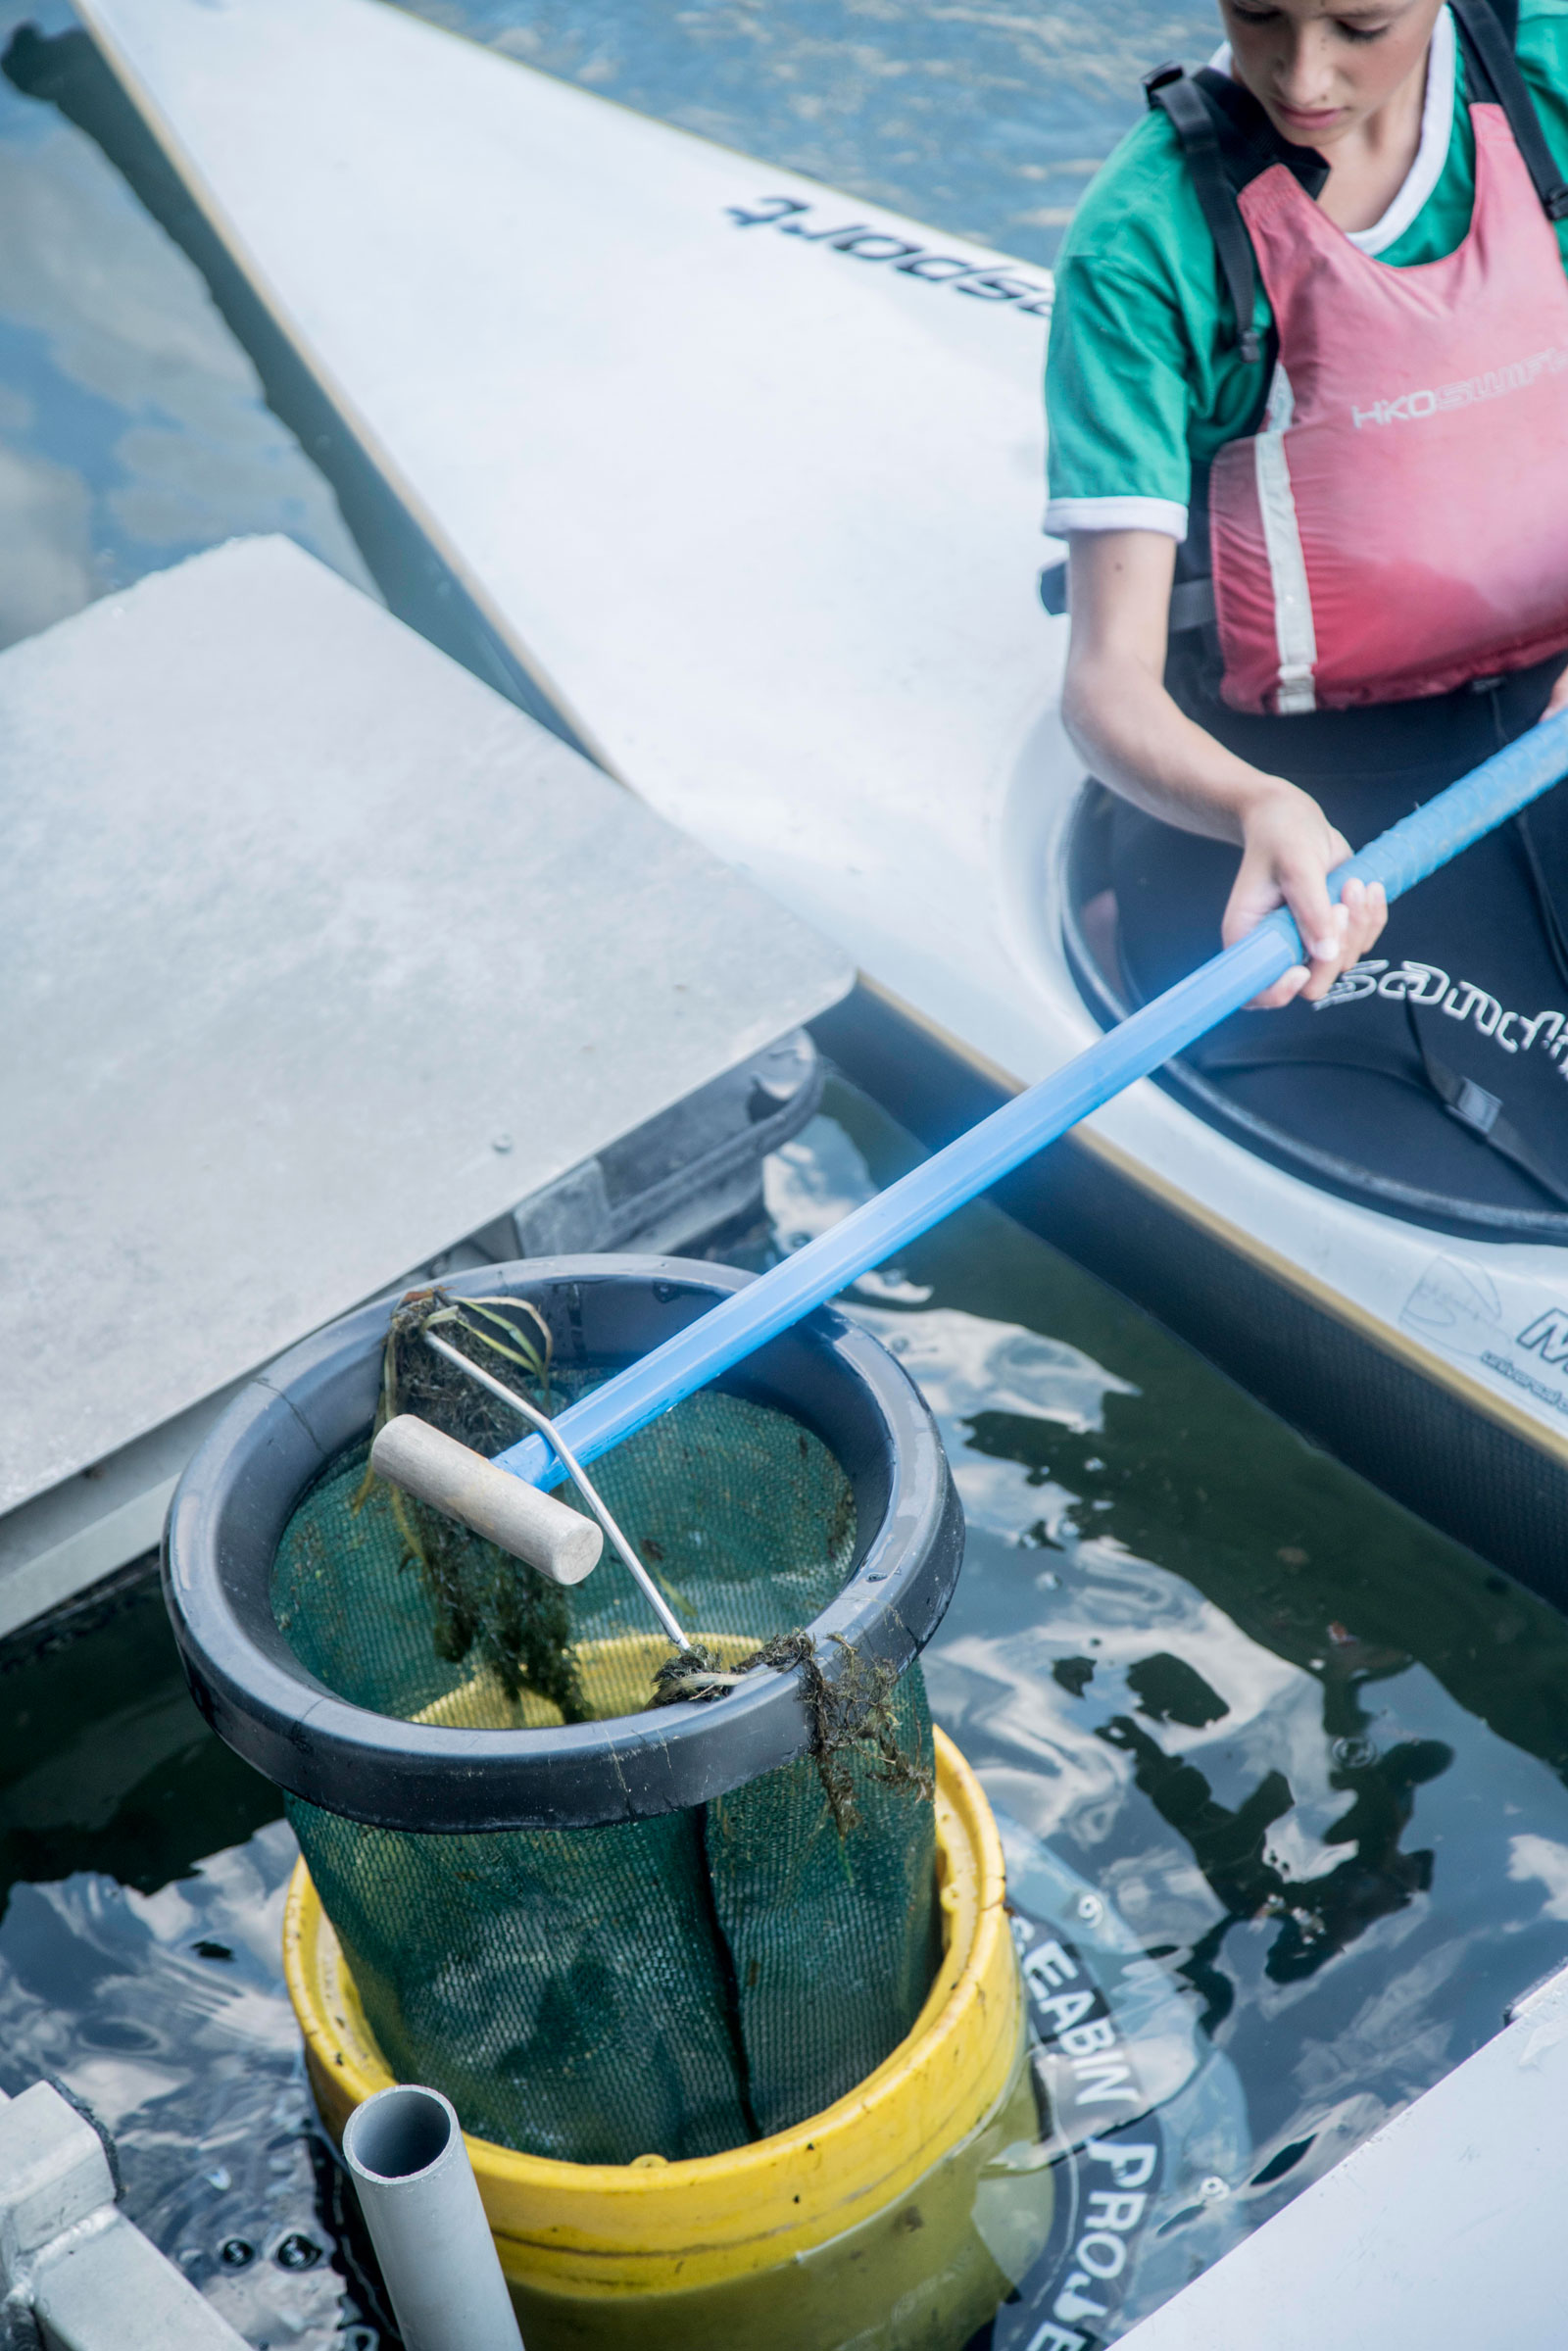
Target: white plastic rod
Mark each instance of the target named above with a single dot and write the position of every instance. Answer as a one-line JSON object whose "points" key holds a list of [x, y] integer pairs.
{"points": [[421, 2201], [533, 1526]]}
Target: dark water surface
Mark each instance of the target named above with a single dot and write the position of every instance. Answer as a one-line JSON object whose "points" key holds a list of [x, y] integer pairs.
{"points": [[1313, 1757], [133, 431], [1312, 1752]]}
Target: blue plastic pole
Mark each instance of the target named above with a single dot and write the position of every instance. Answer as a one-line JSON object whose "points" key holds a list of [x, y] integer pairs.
{"points": [[1400, 858]]}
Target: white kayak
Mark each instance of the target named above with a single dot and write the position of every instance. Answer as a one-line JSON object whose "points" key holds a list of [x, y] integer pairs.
{"points": [[746, 475]]}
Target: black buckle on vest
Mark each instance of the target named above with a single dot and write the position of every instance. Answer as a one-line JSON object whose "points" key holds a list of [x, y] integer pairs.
{"points": [[1475, 1107], [1161, 78]]}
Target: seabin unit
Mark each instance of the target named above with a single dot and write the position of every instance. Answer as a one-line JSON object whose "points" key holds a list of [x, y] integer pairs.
{"points": [[719, 1984]]}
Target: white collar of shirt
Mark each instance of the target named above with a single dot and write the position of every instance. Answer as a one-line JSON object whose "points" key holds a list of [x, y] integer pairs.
{"points": [[1437, 130]]}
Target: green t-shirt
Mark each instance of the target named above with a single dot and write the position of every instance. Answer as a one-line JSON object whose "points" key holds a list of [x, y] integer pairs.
{"points": [[1143, 377]]}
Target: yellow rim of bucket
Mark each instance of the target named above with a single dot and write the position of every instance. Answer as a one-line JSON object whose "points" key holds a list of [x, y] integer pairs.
{"points": [[652, 2225]]}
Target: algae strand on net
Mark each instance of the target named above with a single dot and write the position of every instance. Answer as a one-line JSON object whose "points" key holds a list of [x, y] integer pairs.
{"points": [[851, 1715], [484, 1603], [487, 1606]]}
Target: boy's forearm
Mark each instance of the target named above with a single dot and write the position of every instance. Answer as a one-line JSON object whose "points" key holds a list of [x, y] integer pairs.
{"points": [[1136, 739]]}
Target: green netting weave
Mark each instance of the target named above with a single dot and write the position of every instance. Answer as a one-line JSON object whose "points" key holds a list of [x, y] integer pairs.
{"points": [[673, 1986]]}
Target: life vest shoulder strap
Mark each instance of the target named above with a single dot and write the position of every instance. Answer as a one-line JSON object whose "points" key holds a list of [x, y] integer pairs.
{"points": [[1228, 141], [1488, 28], [1190, 117]]}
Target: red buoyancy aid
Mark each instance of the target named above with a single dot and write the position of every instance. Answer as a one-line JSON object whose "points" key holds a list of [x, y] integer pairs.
{"points": [[1399, 526]]}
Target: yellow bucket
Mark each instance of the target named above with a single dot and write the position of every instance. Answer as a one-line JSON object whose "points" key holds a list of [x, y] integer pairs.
{"points": [[894, 2221]]}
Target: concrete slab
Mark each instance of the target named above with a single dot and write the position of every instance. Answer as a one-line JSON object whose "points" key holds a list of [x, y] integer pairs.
{"points": [[317, 957]]}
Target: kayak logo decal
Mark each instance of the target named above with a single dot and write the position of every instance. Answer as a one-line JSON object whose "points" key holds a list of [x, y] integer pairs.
{"points": [[1458, 1310], [863, 243], [1520, 1378], [1496, 384], [1550, 1333], [1462, 999], [1078, 2306], [1422, 983]]}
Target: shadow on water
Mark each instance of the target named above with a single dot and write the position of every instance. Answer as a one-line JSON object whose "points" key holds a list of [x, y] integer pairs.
{"points": [[104, 1762], [1278, 1538], [1165, 1488], [1415, 1601], [1319, 1919]]}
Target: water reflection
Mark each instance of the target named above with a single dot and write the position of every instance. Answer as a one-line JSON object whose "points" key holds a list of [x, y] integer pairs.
{"points": [[1312, 1752], [1318, 1917], [133, 430], [166, 2012]]}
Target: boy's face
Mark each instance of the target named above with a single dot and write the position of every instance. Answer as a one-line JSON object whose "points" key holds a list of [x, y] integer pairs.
{"points": [[1320, 71]]}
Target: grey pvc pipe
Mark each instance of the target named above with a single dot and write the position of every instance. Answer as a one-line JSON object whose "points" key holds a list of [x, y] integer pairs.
{"points": [[420, 2200]]}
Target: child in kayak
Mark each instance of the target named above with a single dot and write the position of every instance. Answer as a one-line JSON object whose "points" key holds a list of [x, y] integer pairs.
{"points": [[1308, 404]]}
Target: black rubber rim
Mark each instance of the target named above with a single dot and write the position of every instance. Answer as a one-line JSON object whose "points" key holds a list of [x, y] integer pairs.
{"points": [[233, 1503]]}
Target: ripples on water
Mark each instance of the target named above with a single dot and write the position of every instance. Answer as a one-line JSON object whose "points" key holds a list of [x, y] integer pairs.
{"points": [[1314, 1755], [985, 121], [1312, 1752], [133, 432]]}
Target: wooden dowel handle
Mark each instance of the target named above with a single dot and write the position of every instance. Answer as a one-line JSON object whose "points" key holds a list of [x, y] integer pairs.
{"points": [[533, 1526]]}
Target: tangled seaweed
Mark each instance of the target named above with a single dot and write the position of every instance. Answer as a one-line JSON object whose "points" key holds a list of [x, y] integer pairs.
{"points": [[851, 1715], [487, 1606], [484, 1603]]}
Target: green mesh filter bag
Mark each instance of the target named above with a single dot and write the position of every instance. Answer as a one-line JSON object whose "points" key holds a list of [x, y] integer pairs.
{"points": [[671, 1986]]}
